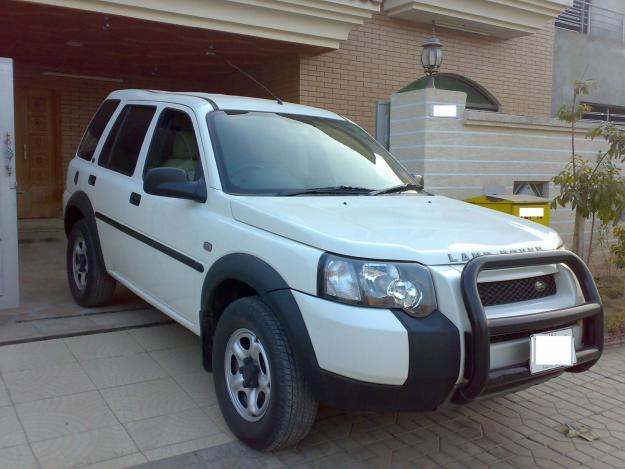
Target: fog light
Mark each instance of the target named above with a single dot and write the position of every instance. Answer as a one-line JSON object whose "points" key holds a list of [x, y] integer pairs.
{"points": [[405, 293]]}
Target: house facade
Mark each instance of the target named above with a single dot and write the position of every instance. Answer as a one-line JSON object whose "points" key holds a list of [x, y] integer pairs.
{"points": [[589, 44], [62, 57]]}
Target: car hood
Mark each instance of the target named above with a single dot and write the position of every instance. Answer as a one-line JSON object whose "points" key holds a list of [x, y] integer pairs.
{"points": [[433, 230]]}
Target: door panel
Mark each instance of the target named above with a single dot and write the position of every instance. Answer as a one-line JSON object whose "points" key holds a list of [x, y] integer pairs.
{"points": [[117, 214], [173, 224], [38, 166]]}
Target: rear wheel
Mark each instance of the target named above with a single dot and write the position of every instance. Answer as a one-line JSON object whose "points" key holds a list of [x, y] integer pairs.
{"points": [[261, 392], [89, 282]]}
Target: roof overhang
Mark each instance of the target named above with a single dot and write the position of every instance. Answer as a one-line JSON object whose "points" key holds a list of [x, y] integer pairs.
{"points": [[498, 18], [321, 23]]}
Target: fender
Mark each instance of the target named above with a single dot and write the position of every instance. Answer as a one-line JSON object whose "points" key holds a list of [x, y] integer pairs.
{"points": [[272, 289], [80, 201]]}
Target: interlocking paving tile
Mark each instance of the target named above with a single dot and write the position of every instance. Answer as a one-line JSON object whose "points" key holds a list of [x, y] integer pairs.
{"points": [[129, 460], [164, 337], [4, 394], [11, 433], [199, 386], [17, 457], [111, 344], [49, 381], [81, 449], [520, 430], [179, 361], [148, 399], [119, 371], [170, 429], [29, 355], [73, 414]]}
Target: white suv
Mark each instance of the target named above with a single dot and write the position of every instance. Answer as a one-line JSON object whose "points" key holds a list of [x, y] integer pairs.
{"points": [[312, 265]]}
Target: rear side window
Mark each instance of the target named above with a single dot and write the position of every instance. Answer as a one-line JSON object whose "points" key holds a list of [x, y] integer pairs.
{"points": [[174, 145], [122, 147], [92, 136]]}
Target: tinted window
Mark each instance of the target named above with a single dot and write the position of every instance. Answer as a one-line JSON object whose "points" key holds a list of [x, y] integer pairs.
{"points": [[122, 147], [268, 153], [92, 136], [174, 145]]}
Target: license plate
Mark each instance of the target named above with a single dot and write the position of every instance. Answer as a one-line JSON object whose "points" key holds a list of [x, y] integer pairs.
{"points": [[550, 350]]}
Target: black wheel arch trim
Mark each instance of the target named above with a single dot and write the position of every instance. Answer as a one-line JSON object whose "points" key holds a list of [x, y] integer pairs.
{"points": [[80, 201], [246, 268], [434, 345]]}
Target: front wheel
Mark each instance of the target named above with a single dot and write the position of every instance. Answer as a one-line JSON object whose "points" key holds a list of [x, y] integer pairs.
{"points": [[261, 392]]}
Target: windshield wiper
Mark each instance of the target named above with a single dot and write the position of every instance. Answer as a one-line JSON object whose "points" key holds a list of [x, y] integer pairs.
{"points": [[328, 190], [401, 188]]}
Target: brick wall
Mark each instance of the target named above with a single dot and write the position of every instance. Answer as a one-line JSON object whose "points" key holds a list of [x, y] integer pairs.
{"points": [[281, 75], [383, 55], [78, 99]]}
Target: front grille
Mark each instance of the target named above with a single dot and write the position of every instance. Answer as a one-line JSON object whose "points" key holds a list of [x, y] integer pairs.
{"points": [[513, 291]]}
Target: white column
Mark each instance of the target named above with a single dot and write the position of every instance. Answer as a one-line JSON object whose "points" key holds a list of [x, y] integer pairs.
{"points": [[9, 278]]}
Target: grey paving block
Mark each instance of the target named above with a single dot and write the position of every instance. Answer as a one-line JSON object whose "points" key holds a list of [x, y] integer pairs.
{"points": [[50, 381], [180, 361], [30, 355], [17, 457], [81, 449], [73, 414], [112, 344], [148, 399], [122, 370], [164, 337], [169, 429], [11, 433]]}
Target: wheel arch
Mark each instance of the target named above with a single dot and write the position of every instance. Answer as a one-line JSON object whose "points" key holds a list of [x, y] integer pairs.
{"points": [[79, 207], [252, 276]]}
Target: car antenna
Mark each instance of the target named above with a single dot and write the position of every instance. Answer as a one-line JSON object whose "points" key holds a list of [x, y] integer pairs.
{"points": [[243, 72]]}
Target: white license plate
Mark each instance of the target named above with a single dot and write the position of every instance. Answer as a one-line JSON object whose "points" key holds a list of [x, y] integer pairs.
{"points": [[550, 350]]}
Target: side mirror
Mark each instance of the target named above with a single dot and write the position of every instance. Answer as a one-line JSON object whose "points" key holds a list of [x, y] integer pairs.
{"points": [[418, 179], [173, 182]]}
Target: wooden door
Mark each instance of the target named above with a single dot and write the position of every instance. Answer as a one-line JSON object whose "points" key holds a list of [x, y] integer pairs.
{"points": [[37, 155]]}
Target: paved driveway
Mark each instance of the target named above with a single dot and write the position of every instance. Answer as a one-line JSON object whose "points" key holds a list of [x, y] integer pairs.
{"points": [[125, 398]]}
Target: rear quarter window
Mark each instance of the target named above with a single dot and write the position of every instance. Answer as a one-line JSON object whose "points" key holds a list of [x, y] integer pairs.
{"points": [[90, 139]]}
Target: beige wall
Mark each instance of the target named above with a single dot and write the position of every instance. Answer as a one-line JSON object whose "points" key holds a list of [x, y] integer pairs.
{"points": [[459, 156], [383, 55]]}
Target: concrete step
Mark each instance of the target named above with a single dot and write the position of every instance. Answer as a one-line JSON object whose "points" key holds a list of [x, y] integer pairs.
{"points": [[31, 230]]}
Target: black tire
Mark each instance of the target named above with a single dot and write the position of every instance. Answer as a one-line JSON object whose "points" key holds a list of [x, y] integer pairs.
{"points": [[97, 286], [291, 408]]}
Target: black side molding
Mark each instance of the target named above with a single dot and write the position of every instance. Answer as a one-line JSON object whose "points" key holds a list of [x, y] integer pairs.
{"points": [[186, 260]]}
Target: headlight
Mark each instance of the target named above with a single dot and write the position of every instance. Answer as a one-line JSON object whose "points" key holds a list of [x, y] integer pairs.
{"points": [[403, 285]]}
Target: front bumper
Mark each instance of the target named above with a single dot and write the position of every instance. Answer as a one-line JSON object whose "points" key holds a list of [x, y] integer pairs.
{"points": [[417, 366], [483, 381]]}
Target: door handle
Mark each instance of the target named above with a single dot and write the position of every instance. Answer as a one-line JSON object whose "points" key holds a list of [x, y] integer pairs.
{"points": [[135, 199], [91, 180]]}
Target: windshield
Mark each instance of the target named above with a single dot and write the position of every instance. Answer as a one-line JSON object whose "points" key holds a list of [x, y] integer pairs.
{"points": [[264, 153]]}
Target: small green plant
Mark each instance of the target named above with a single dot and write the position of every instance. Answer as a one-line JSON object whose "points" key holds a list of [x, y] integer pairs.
{"points": [[617, 250], [593, 189]]}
